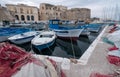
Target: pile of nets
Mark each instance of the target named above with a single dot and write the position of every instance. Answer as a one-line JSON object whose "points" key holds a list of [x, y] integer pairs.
{"points": [[12, 59]]}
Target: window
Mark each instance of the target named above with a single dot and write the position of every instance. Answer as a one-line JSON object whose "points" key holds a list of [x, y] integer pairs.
{"points": [[28, 17], [21, 10], [43, 8], [31, 11], [22, 17], [16, 16], [32, 18], [15, 10], [55, 22], [27, 11], [56, 13]]}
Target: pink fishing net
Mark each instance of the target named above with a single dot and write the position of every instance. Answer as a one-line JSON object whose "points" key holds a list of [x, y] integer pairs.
{"points": [[113, 48], [12, 59], [114, 60], [62, 74], [100, 75]]}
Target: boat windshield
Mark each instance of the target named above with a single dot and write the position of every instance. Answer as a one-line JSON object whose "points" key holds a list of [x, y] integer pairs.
{"points": [[46, 36]]}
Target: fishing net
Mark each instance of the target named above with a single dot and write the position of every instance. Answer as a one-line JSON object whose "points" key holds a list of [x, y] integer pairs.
{"points": [[113, 48], [12, 59], [58, 69], [114, 60], [100, 75]]}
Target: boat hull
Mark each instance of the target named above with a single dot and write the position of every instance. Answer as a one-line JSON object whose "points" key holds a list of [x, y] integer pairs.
{"points": [[23, 40], [43, 46], [24, 37], [44, 40], [72, 33]]}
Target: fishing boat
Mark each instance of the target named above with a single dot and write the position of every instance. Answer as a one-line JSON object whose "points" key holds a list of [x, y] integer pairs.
{"points": [[85, 32], [44, 40], [66, 31], [93, 27], [23, 37], [5, 33]]}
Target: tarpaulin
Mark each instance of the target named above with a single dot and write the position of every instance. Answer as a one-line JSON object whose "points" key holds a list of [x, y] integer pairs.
{"points": [[105, 39]]}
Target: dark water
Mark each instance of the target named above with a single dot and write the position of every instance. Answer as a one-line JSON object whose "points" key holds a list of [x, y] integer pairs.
{"points": [[65, 48]]}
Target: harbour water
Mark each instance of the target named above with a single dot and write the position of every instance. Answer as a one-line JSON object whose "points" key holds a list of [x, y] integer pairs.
{"points": [[65, 48]]}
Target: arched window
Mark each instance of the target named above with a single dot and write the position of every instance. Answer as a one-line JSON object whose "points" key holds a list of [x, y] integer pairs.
{"points": [[22, 17], [32, 18], [16, 16], [28, 17]]}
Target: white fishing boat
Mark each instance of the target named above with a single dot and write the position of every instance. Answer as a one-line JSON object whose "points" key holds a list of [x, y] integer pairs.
{"points": [[23, 37], [71, 33], [85, 32], [65, 31], [7, 32], [44, 40]]}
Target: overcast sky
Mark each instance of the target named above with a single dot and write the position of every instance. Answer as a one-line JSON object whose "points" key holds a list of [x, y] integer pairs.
{"points": [[99, 8]]}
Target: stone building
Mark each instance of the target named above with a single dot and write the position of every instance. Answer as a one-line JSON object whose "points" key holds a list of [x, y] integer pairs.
{"points": [[78, 14], [5, 16], [48, 11], [23, 13]]}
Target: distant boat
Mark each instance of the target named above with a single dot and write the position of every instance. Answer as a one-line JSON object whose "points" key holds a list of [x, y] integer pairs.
{"points": [[19, 25], [64, 30], [23, 37], [44, 40], [93, 27], [85, 32]]}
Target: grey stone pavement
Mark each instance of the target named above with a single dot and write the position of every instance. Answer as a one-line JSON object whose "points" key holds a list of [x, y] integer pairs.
{"points": [[97, 62]]}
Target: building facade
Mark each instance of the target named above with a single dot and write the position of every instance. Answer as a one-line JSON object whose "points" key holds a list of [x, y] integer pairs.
{"points": [[48, 11], [5, 14], [23, 13], [78, 14]]}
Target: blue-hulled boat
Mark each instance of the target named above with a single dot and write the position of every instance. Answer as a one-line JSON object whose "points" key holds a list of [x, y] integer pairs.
{"points": [[93, 27], [44, 40]]}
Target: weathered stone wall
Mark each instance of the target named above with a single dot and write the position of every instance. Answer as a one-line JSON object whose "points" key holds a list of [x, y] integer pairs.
{"points": [[5, 15], [24, 13]]}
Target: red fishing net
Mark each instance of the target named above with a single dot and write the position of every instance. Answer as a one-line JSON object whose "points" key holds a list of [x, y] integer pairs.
{"points": [[113, 48], [114, 60], [112, 29], [12, 59], [100, 75], [62, 74]]}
